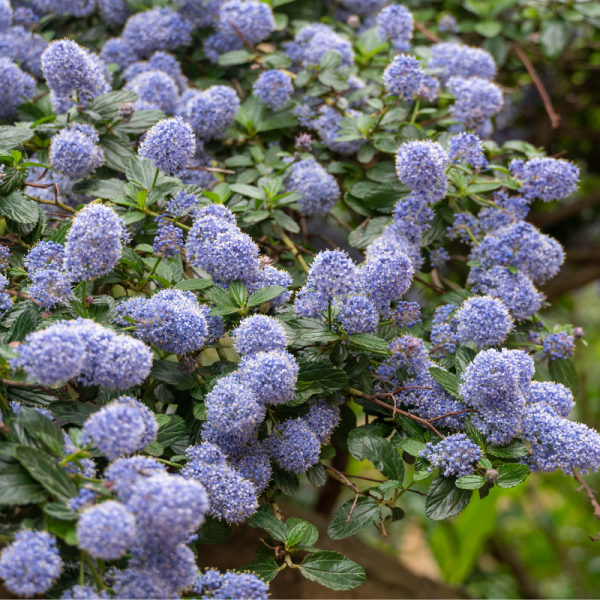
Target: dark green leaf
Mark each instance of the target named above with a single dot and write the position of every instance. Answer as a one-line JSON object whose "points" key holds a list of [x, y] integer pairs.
{"points": [[366, 341], [512, 475], [285, 221], [365, 512], [480, 188], [287, 482], [515, 449], [317, 475], [319, 335], [444, 499], [411, 446], [12, 137], [297, 532], [46, 471], [397, 114], [194, 284], [15, 206], [329, 378], [311, 534], [24, 324], [60, 234], [59, 510], [447, 380], [264, 565], [214, 531], [65, 530], [13, 178], [42, 428], [361, 237], [333, 570], [220, 297], [562, 370], [470, 482], [100, 188], [347, 424], [171, 432], [277, 529], [278, 122], [236, 57], [265, 294], [238, 292], [141, 121], [256, 216], [73, 412], [116, 152], [107, 105], [464, 356], [17, 487], [366, 445]]}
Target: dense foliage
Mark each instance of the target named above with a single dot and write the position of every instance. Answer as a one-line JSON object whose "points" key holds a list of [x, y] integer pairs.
{"points": [[175, 353]]}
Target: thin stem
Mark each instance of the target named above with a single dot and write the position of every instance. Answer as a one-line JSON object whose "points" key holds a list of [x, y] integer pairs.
{"points": [[340, 222], [329, 319], [166, 462], [415, 112], [155, 179], [83, 297], [286, 240], [591, 494], [81, 569], [428, 34], [145, 282], [222, 355], [21, 295], [10, 383], [97, 577], [56, 203]]}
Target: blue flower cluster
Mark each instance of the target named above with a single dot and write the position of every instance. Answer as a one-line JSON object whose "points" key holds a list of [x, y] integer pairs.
{"points": [[395, 24], [74, 151], [454, 60], [421, 166], [18, 87], [545, 178], [467, 148], [273, 88], [318, 189], [403, 77], [477, 101], [454, 455], [212, 584], [210, 112], [406, 314], [483, 320], [313, 41], [558, 345]]}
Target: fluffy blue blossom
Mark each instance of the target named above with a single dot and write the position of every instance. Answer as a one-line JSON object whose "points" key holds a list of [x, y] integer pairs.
{"points": [[508, 210], [94, 242], [172, 320], [443, 332], [476, 100], [183, 203], [555, 395], [322, 420], [523, 246], [259, 333], [69, 69], [447, 24], [84, 499], [4, 257], [44, 255], [23, 47], [483, 320], [313, 41], [409, 353], [413, 216], [31, 563], [546, 178], [113, 12], [50, 287], [253, 464], [5, 301], [159, 90], [394, 241], [116, 429], [139, 582], [461, 61], [395, 25], [403, 77], [231, 497], [106, 530], [6, 15], [328, 124], [309, 303], [420, 166], [333, 273], [168, 241], [18, 87], [216, 44], [558, 345], [515, 290], [430, 89], [467, 148], [358, 314], [406, 314], [52, 355], [74, 151], [363, 7], [125, 472], [118, 51], [222, 250], [439, 257], [156, 29], [167, 508], [241, 585], [25, 17], [150, 424], [199, 14], [296, 448], [269, 376], [454, 455], [199, 177], [232, 405], [267, 275], [84, 592], [169, 145], [273, 88], [318, 189], [253, 19], [212, 111]]}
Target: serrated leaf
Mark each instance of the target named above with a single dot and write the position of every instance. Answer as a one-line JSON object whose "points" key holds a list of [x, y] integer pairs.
{"points": [[60, 510], [444, 499], [200, 412], [248, 190], [297, 532], [116, 152], [73, 412], [13, 178], [464, 357], [317, 475], [328, 377], [17, 207], [333, 570], [287, 482], [194, 284], [515, 449], [220, 297], [100, 188], [264, 565], [385, 458], [365, 512], [17, 487], [214, 531], [411, 446], [285, 221], [278, 122], [447, 380], [277, 529], [238, 292], [361, 237], [256, 216], [366, 341], [562, 370], [12, 137], [265, 294], [171, 432], [42, 428], [141, 121], [470, 482], [311, 534], [512, 475]]}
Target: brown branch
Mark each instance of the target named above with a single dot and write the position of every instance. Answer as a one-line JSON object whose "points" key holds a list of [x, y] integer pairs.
{"points": [[554, 117], [342, 478], [212, 170], [450, 414], [244, 38], [428, 34], [382, 525], [340, 222], [435, 288], [591, 494], [353, 506], [10, 383], [365, 478], [361, 228], [21, 295]]}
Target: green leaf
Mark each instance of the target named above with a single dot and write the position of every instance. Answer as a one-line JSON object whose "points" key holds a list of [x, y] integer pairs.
{"points": [[17, 207], [194, 284], [73, 412], [365, 512], [385, 458], [366, 341], [329, 378], [107, 105], [13, 178], [238, 292], [444, 499], [470, 482], [287, 482], [277, 529], [101, 188], [248, 190], [279, 122], [46, 471], [512, 475], [333, 570], [116, 152], [220, 297], [562, 370], [141, 121], [515, 449], [132, 217], [554, 36], [236, 57], [319, 335], [265, 294], [330, 60], [171, 432], [397, 114], [256, 216], [25, 323], [17, 487], [200, 412], [317, 475], [311, 535], [155, 449], [447, 380], [285, 221], [479, 188], [12, 137], [60, 510], [296, 534], [464, 357], [264, 565], [42, 428], [411, 446], [489, 29], [63, 529], [163, 268], [213, 531], [167, 371], [361, 237]]}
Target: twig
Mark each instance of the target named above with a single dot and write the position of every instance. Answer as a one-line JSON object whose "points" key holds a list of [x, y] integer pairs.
{"points": [[212, 170], [21, 295], [325, 239], [559, 154], [361, 477], [352, 509], [591, 494], [244, 38], [238, 87], [382, 525], [293, 248], [40, 96], [554, 117], [10, 383], [360, 229], [435, 288], [342, 478], [428, 34], [340, 222], [450, 414]]}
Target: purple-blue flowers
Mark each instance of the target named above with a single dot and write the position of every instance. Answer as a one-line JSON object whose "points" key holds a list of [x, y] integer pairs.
{"points": [[421, 167], [318, 189], [74, 151], [454, 455], [546, 178], [395, 24], [273, 88], [403, 77]]}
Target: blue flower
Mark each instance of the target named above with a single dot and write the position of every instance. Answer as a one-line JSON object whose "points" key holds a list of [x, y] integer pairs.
{"points": [[270, 376], [212, 111], [118, 51], [75, 153], [406, 314], [50, 287], [313, 41], [169, 240], [403, 77], [467, 148], [273, 88], [294, 446], [455, 60], [559, 345], [395, 24], [318, 189], [253, 464], [358, 314], [555, 395], [322, 420], [84, 592], [113, 12], [17, 87], [483, 320], [454, 455], [443, 332], [44, 255], [546, 178], [477, 100], [160, 90], [253, 19], [420, 166]]}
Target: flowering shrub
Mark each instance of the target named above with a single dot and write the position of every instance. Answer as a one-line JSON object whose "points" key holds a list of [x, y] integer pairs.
{"points": [[174, 358]]}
